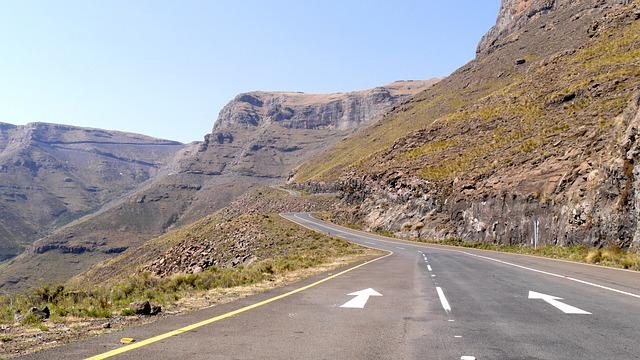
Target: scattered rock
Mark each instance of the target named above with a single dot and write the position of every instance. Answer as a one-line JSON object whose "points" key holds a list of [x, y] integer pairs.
{"points": [[155, 310], [520, 61], [41, 314], [106, 325]]}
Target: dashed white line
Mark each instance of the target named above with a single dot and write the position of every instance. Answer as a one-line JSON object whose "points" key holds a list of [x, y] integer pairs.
{"points": [[443, 300], [457, 336], [429, 268], [467, 357], [370, 243], [400, 248], [432, 275]]}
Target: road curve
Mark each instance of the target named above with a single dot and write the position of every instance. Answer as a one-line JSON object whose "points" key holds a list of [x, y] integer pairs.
{"points": [[436, 303]]}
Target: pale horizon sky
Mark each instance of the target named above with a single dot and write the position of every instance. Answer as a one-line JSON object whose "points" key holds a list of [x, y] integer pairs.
{"points": [[165, 68]]}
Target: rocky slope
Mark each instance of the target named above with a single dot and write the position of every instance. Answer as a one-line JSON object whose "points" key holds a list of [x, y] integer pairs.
{"points": [[52, 174], [514, 15], [537, 135], [247, 230], [258, 139]]}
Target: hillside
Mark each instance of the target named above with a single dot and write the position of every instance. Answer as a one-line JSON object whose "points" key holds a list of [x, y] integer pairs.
{"points": [[539, 131], [248, 230], [258, 139], [52, 174]]}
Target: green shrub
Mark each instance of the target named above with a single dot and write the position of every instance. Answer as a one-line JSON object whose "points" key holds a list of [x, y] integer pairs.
{"points": [[31, 320], [5, 338], [127, 312]]}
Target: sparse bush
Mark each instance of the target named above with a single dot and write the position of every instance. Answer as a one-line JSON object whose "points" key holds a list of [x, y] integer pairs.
{"points": [[31, 320], [127, 312], [5, 338]]}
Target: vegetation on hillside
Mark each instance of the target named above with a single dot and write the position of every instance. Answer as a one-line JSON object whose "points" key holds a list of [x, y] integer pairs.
{"points": [[114, 298], [517, 114]]}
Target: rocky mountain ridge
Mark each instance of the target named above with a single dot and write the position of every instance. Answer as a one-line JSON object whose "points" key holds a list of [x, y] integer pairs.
{"points": [[52, 174]]}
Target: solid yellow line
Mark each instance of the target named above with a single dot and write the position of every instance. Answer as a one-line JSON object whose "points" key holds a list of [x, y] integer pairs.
{"points": [[187, 328]]}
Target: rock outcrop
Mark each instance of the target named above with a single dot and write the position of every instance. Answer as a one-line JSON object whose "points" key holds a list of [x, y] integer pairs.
{"points": [[514, 15], [341, 111]]}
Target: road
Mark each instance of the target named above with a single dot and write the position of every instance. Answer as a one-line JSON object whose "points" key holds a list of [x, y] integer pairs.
{"points": [[436, 303]]}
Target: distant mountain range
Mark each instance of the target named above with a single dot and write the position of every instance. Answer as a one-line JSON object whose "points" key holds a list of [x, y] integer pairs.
{"points": [[53, 174]]}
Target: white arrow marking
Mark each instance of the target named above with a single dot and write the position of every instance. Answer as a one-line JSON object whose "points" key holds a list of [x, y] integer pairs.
{"points": [[553, 301], [360, 299]]}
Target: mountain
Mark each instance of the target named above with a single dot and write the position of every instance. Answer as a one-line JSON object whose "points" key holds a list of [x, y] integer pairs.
{"points": [[258, 139], [53, 174], [537, 135]]}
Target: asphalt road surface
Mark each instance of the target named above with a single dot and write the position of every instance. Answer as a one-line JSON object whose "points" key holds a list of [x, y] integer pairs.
{"points": [[418, 302]]}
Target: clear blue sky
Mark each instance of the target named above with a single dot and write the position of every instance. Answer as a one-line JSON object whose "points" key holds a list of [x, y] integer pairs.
{"points": [[165, 68]]}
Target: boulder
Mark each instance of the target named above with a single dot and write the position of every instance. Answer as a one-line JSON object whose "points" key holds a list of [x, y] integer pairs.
{"points": [[145, 308], [141, 307]]}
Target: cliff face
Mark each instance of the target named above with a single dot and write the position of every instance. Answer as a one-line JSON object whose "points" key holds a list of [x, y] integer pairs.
{"points": [[52, 174], [514, 15], [266, 134], [537, 135], [258, 139], [340, 111]]}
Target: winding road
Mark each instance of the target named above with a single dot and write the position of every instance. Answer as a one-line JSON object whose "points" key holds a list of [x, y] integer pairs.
{"points": [[417, 302]]}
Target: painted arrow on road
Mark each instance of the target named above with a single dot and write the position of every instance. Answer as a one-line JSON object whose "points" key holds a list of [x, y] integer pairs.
{"points": [[360, 299], [553, 301]]}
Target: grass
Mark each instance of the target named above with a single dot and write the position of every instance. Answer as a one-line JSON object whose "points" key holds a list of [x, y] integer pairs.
{"points": [[284, 247], [429, 148], [104, 302], [5, 338]]}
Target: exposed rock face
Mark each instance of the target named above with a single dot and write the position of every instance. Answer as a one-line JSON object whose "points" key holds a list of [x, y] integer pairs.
{"points": [[515, 14], [341, 111], [258, 139], [52, 174], [266, 134]]}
